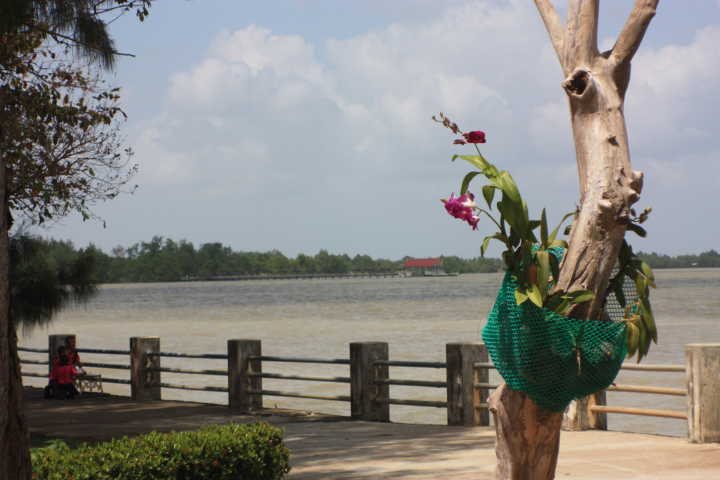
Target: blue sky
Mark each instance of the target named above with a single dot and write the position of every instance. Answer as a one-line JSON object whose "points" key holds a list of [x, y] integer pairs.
{"points": [[301, 125]]}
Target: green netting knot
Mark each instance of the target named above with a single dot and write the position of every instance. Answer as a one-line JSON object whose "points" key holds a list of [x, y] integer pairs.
{"points": [[551, 358]]}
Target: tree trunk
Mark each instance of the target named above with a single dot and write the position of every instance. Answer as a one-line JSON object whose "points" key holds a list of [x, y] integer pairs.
{"points": [[14, 438], [527, 436]]}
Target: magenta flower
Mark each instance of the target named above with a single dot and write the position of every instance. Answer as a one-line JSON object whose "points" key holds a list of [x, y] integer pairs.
{"points": [[474, 137], [462, 207]]}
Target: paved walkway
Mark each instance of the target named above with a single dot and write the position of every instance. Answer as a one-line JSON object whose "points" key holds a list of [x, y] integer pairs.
{"points": [[328, 447]]}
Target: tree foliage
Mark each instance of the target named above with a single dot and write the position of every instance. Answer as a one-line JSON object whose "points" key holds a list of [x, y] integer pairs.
{"points": [[61, 144], [46, 276], [167, 260]]}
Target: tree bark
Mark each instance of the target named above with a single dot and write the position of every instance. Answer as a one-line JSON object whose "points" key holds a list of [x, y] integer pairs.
{"points": [[14, 438], [528, 437], [596, 83]]}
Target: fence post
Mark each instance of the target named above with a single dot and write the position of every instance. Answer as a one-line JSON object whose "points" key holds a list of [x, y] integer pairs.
{"points": [[55, 341], [579, 415], [462, 396], [703, 381], [369, 399], [144, 376], [242, 375]]}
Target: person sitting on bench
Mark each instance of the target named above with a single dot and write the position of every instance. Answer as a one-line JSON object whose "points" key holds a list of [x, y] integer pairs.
{"points": [[62, 378], [72, 356]]}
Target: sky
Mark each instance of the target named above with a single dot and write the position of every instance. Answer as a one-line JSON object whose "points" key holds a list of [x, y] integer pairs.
{"points": [[302, 125]]}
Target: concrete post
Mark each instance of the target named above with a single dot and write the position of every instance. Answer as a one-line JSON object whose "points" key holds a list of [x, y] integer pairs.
{"points": [[241, 382], [368, 399], [462, 396], [703, 380], [55, 341], [579, 415], [144, 383]]}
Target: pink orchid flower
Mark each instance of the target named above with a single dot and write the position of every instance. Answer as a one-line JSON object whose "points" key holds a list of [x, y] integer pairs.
{"points": [[462, 207]]}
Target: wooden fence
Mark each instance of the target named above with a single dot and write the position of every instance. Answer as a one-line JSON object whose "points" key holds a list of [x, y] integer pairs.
{"points": [[466, 387]]}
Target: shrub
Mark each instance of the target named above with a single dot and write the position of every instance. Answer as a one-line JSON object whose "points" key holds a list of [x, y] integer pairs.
{"points": [[228, 452]]}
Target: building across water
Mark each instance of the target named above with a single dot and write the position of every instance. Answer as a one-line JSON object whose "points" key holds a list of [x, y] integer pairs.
{"points": [[424, 267]]}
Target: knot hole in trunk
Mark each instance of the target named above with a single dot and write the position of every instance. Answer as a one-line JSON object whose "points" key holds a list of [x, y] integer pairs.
{"points": [[577, 83]]}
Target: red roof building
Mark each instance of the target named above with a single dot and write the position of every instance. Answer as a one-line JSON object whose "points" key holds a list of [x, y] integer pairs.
{"points": [[424, 267], [423, 263]]}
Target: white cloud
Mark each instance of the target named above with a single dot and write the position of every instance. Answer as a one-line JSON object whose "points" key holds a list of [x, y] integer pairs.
{"points": [[335, 130]]}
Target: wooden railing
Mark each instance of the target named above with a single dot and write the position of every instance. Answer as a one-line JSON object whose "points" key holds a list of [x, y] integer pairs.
{"points": [[467, 383]]}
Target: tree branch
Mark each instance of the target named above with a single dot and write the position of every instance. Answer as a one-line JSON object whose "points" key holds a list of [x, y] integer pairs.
{"points": [[581, 37], [553, 25], [634, 30], [71, 41]]}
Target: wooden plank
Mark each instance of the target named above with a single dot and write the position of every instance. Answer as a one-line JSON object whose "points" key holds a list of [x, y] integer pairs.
{"points": [[404, 363], [188, 371], [207, 388], [640, 411], [653, 368], [413, 383], [265, 358], [417, 403], [300, 377], [110, 366], [483, 365], [279, 393], [681, 392], [31, 349]]}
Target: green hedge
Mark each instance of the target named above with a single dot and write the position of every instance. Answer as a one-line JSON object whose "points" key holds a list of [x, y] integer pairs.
{"points": [[228, 452]]}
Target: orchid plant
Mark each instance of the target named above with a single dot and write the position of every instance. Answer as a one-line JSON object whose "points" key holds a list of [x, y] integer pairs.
{"points": [[530, 259]]}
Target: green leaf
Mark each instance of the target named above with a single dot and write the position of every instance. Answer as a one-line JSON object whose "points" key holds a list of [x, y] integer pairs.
{"points": [[554, 233], [562, 308], [543, 230], [509, 187], [520, 297], [580, 296], [484, 245], [496, 236], [543, 272], [643, 343], [466, 182], [534, 295], [480, 163], [488, 192], [649, 275], [640, 286], [634, 227], [558, 244], [633, 336], [648, 318], [554, 267]]}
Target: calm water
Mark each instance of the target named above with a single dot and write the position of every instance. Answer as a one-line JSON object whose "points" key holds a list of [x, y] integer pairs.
{"points": [[318, 318]]}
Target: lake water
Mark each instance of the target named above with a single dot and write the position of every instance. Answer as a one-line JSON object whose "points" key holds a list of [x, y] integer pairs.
{"points": [[319, 318]]}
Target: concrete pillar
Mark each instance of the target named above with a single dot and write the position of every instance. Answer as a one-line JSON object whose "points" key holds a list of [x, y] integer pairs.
{"points": [[368, 399], [240, 380], [462, 396], [579, 415], [55, 341], [703, 380], [144, 384]]}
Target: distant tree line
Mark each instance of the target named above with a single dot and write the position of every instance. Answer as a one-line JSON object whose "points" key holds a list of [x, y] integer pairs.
{"points": [[709, 259], [166, 260]]}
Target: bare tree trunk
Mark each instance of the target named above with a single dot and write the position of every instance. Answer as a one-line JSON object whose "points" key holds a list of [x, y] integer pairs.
{"points": [[527, 436], [14, 438]]}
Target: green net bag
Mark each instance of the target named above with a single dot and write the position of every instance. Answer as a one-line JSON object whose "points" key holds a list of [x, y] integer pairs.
{"points": [[551, 358]]}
